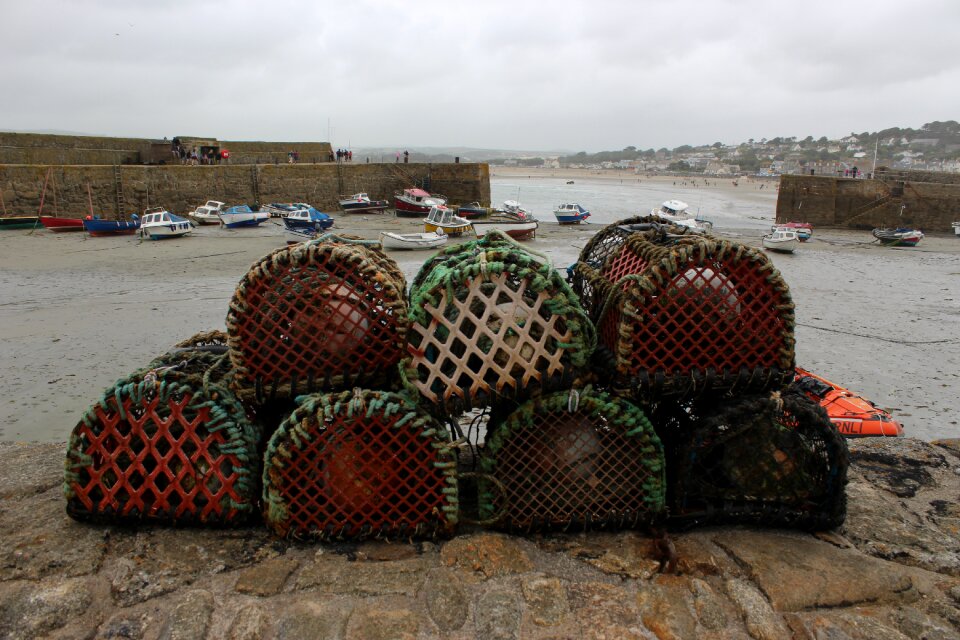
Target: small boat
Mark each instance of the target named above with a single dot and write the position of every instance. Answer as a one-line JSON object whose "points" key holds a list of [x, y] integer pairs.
{"points": [[413, 202], [516, 227], [443, 219], [208, 213], [804, 229], [513, 208], [19, 222], [852, 415], [98, 227], [781, 240], [956, 228], [430, 240], [158, 223], [242, 216], [472, 211], [305, 223], [53, 223], [901, 237], [360, 202], [675, 211], [570, 213]]}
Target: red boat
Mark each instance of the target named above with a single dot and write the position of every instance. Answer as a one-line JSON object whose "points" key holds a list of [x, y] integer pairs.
{"points": [[54, 223], [416, 202], [852, 415]]}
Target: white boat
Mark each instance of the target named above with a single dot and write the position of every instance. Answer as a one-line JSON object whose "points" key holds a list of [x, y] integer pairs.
{"points": [[675, 211], [208, 213], [443, 219], [781, 240], [242, 216], [514, 208], [956, 228], [391, 240], [158, 223], [570, 213]]}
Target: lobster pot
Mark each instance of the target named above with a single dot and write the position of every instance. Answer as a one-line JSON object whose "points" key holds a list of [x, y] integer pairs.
{"points": [[760, 460], [203, 354], [690, 316], [586, 460], [322, 315], [492, 321], [358, 464], [162, 446]]}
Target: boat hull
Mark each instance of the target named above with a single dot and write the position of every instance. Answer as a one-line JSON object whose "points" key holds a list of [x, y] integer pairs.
{"points": [[205, 219], [361, 207], [19, 222], [104, 228], [162, 232], [240, 220], [455, 230], [473, 212], [781, 246], [516, 230], [61, 224], [409, 209], [411, 240], [852, 415], [570, 219]]}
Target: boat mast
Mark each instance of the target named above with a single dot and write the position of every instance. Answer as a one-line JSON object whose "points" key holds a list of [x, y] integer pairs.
{"points": [[873, 172]]}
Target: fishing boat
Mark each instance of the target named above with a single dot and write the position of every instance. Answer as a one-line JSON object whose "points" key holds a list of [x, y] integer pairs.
{"points": [[360, 202], [570, 213], [305, 223], [53, 223], [242, 216], [430, 240], [208, 213], [98, 227], [900, 237], [675, 211], [19, 222], [158, 223], [472, 211], [781, 240], [854, 416], [804, 229], [413, 202], [443, 219], [515, 226]]}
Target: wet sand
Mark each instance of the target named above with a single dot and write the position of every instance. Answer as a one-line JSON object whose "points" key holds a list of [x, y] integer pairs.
{"points": [[78, 313]]}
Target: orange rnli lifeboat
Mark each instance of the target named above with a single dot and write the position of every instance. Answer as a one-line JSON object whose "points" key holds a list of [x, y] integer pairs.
{"points": [[854, 416]]}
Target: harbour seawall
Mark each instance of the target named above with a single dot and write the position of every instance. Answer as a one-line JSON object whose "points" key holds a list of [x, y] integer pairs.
{"points": [[181, 188], [922, 199]]}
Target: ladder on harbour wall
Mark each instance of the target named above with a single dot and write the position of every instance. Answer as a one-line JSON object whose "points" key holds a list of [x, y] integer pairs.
{"points": [[409, 179], [255, 182], [118, 186]]}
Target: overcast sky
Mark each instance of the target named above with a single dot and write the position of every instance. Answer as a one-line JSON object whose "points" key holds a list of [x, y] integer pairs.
{"points": [[512, 74]]}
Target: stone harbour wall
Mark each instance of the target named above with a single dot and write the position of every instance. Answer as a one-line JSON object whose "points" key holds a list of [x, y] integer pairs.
{"points": [[891, 572], [183, 188], [923, 200]]}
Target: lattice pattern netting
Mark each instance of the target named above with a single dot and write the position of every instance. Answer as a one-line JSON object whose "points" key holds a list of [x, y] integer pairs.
{"points": [[695, 316], [321, 315], [751, 460], [163, 449], [489, 320], [591, 461], [349, 466]]}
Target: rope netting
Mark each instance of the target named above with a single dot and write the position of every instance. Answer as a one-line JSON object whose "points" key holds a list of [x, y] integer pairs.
{"points": [[572, 460], [768, 460], [321, 315], [687, 315], [490, 320], [358, 464], [163, 445]]}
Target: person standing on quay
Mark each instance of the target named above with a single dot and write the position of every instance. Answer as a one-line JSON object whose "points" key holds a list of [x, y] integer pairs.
{"points": [[406, 157]]}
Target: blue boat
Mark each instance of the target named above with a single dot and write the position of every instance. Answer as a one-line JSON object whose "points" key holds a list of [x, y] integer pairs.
{"points": [[242, 216], [571, 214], [305, 223], [98, 227]]}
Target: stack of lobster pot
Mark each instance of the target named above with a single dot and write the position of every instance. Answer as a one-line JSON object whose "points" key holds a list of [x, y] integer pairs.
{"points": [[328, 318], [169, 443], [696, 329], [491, 322]]}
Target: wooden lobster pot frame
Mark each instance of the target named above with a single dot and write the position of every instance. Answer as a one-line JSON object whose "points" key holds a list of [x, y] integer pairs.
{"points": [[359, 464], [758, 460], [573, 460], [327, 314], [163, 446], [686, 316], [491, 321]]}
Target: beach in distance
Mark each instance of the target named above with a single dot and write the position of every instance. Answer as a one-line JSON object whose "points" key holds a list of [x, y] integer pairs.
{"points": [[78, 313]]}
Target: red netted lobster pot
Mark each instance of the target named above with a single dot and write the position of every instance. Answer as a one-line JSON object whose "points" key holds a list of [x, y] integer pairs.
{"points": [[358, 464], [572, 460], [491, 321], [684, 315], [328, 314], [164, 445]]}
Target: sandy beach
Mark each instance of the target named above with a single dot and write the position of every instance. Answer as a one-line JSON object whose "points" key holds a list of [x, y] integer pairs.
{"points": [[78, 313]]}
